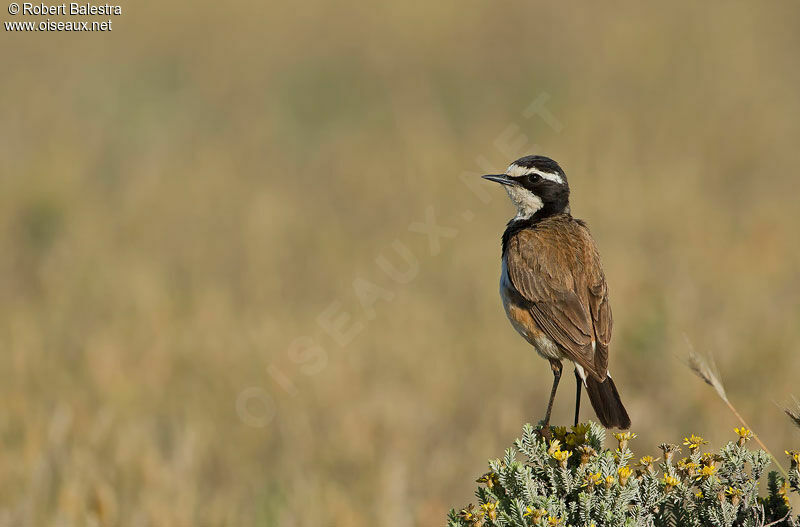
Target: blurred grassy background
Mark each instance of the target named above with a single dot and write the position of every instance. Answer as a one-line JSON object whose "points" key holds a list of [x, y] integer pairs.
{"points": [[181, 198]]}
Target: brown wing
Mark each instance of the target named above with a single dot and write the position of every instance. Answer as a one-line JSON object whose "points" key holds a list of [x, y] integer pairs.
{"points": [[553, 268], [599, 306], [602, 321]]}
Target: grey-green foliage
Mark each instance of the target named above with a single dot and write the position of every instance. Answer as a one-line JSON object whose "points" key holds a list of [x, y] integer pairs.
{"points": [[572, 480]]}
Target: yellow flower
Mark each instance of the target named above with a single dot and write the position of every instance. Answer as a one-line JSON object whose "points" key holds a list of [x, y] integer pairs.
{"points": [[794, 455], [784, 491], [535, 514], [555, 446], [694, 442], [593, 479], [490, 478], [709, 459], [734, 494], [671, 482], [469, 513], [623, 438], [561, 456], [744, 435], [624, 473], [553, 521], [609, 481], [647, 462], [489, 509], [706, 472], [688, 466]]}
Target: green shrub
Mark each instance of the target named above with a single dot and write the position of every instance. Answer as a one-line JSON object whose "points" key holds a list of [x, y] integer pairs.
{"points": [[572, 480]]}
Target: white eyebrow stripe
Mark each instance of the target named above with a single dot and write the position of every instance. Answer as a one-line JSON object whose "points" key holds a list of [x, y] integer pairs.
{"points": [[552, 176], [517, 171]]}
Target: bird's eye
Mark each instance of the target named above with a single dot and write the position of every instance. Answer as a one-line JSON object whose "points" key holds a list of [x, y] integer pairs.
{"points": [[533, 178]]}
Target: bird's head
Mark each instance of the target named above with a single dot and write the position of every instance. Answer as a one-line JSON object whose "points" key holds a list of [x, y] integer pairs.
{"points": [[536, 185]]}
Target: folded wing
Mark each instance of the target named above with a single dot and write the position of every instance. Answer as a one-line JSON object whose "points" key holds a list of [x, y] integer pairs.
{"points": [[566, 291]]}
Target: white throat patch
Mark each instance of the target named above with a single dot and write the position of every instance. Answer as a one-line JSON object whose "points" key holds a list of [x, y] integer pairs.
{"points": [[527, 202], [517, 171]]}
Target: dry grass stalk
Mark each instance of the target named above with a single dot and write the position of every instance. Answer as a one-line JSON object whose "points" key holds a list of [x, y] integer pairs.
{"points": [[794, 415], [707, 370]]}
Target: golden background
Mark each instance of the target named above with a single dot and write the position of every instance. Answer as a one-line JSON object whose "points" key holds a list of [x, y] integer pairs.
{"points": [[190, 202]]}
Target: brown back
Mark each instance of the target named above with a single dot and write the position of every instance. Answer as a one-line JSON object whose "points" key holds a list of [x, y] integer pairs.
{"points": [[556, 267]]}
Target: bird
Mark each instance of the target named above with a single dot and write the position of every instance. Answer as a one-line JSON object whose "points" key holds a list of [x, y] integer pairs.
{"points": [[553, 288]]}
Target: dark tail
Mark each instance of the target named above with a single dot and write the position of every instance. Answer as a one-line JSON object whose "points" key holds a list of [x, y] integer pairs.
{"points": [[607, 404]]}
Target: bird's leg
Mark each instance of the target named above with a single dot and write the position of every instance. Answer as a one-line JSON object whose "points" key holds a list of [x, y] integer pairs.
{"points": [[556, 366], [578, 397]]}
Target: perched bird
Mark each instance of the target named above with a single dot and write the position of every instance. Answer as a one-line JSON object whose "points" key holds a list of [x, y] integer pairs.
{"points": [[553, 287]]}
